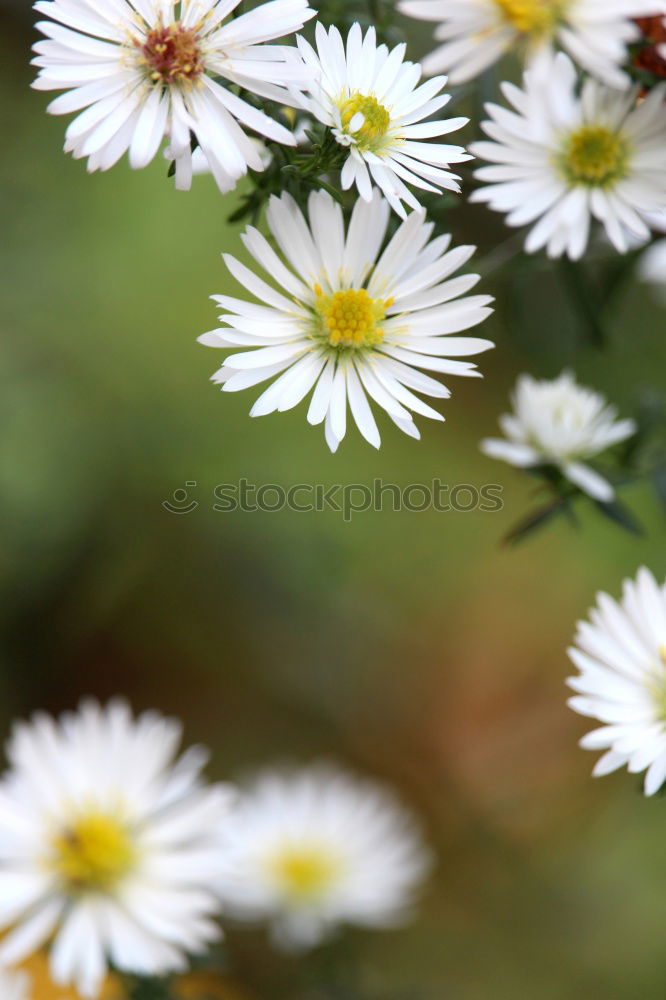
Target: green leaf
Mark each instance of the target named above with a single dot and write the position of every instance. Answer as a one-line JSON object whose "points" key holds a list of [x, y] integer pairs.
{"points": [[141, 988], [659, 480], [537, 519], [332, 191], [585, 298], [620, 515]]}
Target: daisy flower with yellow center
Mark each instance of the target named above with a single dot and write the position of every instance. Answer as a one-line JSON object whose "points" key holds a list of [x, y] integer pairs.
{"points": [[559, 159], [371, 100], [353, 321], [474, 34], [314, 847], [143, 71], [107, 846]]}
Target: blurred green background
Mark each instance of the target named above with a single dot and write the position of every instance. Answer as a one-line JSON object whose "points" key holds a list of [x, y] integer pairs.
{"points": [[410, 646]]}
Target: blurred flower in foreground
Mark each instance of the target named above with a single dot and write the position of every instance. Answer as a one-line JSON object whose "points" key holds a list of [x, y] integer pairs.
{"points": [[315, 847], [15, 986], [562, 159], [562, 424], [107, 846], [368, 96], [621, 656], [475, 33], [349, 324], [142, 73]]}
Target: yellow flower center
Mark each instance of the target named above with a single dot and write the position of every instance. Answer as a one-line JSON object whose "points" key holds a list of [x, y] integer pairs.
{"points": [[533, 17], [93, 853], [594, 156], [350, 319], [304, 873], [364, 118], [172, 54]]}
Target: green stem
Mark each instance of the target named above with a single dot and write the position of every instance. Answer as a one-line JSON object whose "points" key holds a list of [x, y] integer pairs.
{"points": [[374, 11], [585, 299]]}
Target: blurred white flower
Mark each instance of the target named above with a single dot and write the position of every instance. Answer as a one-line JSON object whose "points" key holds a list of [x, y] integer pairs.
{"points": [[563, 159], [476, 33], [651, 263], [314, 848], [368, 96], [652, 267], [621, 656], [348, 324], [107, 845], [14, 986], [151, 69], [563, 424]]}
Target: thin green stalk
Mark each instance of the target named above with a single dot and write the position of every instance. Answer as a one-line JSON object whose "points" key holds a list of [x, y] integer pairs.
{"points": [[584, 298]]}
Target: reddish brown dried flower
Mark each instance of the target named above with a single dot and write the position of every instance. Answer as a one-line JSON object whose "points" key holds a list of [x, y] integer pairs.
{"points": [[648, 58]]}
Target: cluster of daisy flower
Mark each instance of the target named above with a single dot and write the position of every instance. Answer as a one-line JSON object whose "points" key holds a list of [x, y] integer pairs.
{"points": [[358, 318], [361, 314], [115, 853]]}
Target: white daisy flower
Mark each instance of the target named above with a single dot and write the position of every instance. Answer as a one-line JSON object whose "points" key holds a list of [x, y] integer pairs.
{"points": [[563, 159], [476, 33], [621, 656], [351, 322], [155, 68], [314, 848], [107, 845], [368, 96], [563, 424], [14, 986]]}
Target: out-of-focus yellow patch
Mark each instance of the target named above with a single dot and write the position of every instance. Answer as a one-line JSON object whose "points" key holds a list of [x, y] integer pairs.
{"points": [[209, 985], [304, 872], [94, 852], [193, 986], [536, 18], [43, 988]]}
